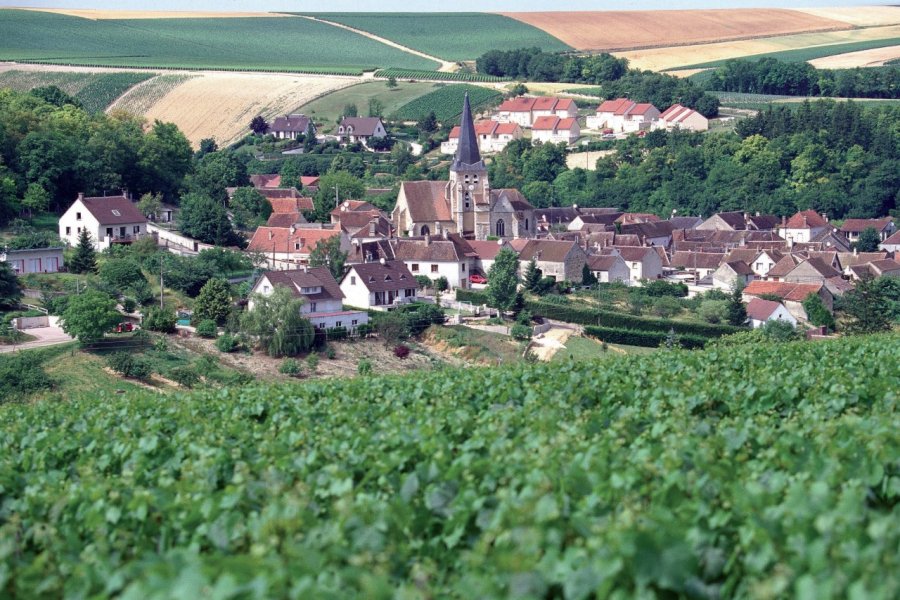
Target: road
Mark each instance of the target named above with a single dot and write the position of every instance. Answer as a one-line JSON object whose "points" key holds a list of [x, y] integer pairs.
{"points": [[47, 336]]}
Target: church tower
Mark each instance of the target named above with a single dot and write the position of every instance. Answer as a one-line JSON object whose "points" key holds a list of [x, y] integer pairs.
{"points": [[468, 190]]}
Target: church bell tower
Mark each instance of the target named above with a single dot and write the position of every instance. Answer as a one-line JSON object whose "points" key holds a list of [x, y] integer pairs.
{"points": [[469, 190]]}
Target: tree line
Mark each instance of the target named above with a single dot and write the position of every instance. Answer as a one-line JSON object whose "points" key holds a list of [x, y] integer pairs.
{"points": [[532, 64]]}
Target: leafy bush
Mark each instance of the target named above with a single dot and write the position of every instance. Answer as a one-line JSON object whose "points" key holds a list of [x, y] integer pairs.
{"points": [[22, 373], [401, 351], [555, 299], [184, 376], [226, 343], [330, 353], [121, 273], [129, 365], [290, 366], [364, 367], [666, 306], [128, 305], [649, 339], [520, 332], [713, 311], [207, 329], [159, 319], [312, 361], [336, 334], [658, 287]]}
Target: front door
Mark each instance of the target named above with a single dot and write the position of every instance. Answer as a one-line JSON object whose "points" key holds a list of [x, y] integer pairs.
{"points": [[109, 232]]}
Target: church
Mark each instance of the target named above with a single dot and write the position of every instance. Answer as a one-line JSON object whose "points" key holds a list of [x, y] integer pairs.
{"points": [[466, 204]]}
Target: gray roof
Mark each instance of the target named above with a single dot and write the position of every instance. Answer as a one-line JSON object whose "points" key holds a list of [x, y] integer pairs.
{"points": [[467, 155], [310, 277], [296, 123]]}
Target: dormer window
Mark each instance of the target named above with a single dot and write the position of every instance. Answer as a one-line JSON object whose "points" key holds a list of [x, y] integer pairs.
{"points": [[296, 245]]}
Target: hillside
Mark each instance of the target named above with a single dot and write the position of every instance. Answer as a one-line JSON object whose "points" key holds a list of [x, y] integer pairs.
{"points": [[757, 472]]}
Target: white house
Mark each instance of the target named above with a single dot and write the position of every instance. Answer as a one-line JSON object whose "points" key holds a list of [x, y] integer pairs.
{"points": [[623, 114], [449, 256], [851, 228], [493, 136], [728, 273], [892, 244], [764, 262], [321, 294], [760, 311], [109, 220], [643, 261], [554, 130], [361, 129], [524, 110], [289, 247], [560, 259], [291, 126], [681, 117], [378, 285], [803, 227], [33, 260], [608, 268]]}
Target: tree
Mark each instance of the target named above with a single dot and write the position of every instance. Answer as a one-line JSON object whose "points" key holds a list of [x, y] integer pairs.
{"points": [[376, 107], [85, 258], [121, 273], [350, 110], [89, 316], [309, 140], [205, 219], [428, 123], [165, 157], [36, 199], [150, 205], [214, 302], [217, 171], [503, 279], [276, 324], [391, 82], [737, 312], [348, 188], [817, 313], [867, 308], [249, 208], [52, 94], [161, 319], [258, 125], [518, 89], [207, 146], [713, 311], [10, 290], [328, 253], [587, 277], [868, 240], [532, 276]]}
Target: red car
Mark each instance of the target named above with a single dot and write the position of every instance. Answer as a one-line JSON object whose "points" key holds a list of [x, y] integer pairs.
{"points": [[124, 327], [476, 278]]}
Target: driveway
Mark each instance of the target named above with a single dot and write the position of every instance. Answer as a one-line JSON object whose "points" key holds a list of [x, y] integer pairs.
{"points": [[46, 336]]}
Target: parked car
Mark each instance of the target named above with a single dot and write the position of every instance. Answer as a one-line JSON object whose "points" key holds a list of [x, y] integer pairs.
{"points": [[477, 278], [124, 327]]}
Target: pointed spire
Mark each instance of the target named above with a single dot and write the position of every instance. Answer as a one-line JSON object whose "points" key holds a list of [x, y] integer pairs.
{"points": [[467, 154]]}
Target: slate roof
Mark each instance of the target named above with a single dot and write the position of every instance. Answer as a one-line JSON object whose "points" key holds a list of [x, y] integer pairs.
{"points": [[295, 279], [467, 155], [388, 277], [290, 123], [546, 250], [113, 210], [363, 126]]}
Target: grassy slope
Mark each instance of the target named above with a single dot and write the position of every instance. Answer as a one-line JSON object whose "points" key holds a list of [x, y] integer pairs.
{"points": [[270, 43], [804, 54], [446, 102], [328, 108], [451, 36], [768, 472]]}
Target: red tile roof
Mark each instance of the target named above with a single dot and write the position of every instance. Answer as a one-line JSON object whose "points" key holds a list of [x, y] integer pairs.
{"points": [[760, 310], [807, 219], [485, 250], [894, 239], [641, 109], [614, 106], [291, 205], [520, 104], [546, 123], [860, 225], [796, 292], [282, 240], [263, 181]]}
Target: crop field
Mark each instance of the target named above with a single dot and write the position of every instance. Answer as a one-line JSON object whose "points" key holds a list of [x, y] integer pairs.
{"points": [[621, 30], [107, 14], [447, 102], [772, 473], [231, 100], [275, 43], [139, 99], [823, 44], [95, 91], [330, 107], [860, 16], [875, 57], [451, 36], [440, 76]]}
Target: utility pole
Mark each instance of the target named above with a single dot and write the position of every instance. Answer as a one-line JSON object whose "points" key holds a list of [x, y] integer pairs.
{"points": [[161, 288], [337, 198]]}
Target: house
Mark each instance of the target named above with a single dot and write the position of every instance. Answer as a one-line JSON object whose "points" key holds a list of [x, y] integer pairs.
{"points": [[265, 181], [378, 285], [791, 294], [309, 183], [623, 115], [361, 129], [465, 204], [728, 273], [608, 268], [701, 264], [485, 254], [553, 130], [493, 136], [448, 256], [643, 262], [681, 117], [109, 220], [851, 228], [685, 222], [891, 244], [739, 221], [289, 247], [321, 294], [760, 312], [813, 270], [34, 260], [654, 233], [764, 261], [876, 268], [290, 127], [525, 110], [562, 260], [803, 226]]}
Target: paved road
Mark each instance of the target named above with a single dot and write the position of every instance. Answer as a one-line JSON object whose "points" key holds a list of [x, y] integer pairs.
{"points": [[46, 336]]}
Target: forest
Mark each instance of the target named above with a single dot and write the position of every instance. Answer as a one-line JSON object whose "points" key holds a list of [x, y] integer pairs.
{"points": [[836, 157]]}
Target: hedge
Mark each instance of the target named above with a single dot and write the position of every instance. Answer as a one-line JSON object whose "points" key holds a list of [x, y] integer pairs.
{"points": [[473, 296], [619, 320], [649, 339]]}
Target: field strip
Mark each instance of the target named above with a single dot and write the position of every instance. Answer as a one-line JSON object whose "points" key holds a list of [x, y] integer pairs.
{"points": [[115, 14], [875, 57], [662, 59], [140, 98], [446, 66], [861, 16]]}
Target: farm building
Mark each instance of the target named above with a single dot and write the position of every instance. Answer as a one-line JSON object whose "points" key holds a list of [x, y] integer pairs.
{"points": [[109, 220], [680, 117], [553, 130], [526, 110], [360, 129], [623, 115], [291, 126], [493, 136]]}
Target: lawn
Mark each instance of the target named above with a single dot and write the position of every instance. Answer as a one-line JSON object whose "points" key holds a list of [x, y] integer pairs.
{"points": [[582, 348], [451, 36], [330, 107], [446, 102], [78, 374], [277, 43]]}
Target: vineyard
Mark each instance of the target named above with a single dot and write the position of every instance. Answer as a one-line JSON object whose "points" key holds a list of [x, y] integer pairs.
{"points": [[446, 102], [451, 36], [141, 98], [437, 76], [767, 473], [95, 91], [276, 43]]}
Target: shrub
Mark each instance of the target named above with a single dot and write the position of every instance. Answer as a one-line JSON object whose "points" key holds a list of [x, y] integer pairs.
{"points": [[658, 288], [364, 367], [330, 353], [713, 311], [226, 343], [207, 329], [401, 351], [423, 281], [441, 284], [555, 299], [520, 332], [129, 365], [184, 376], [336, 334], [666, 306], [128, 305], [649, 339], [159, 319], [312, 361], [22, 373], [291, 367]]}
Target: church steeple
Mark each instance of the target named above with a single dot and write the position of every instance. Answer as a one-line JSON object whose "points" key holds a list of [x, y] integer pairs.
{"points": [[467, 156]]}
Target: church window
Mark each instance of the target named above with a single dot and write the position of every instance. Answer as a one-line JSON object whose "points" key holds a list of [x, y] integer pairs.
{"points": [[526, 224], [500, 228], [425, 230]]}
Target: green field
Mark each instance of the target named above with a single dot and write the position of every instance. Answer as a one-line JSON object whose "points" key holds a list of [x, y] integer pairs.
{"points": [[769, 472], [277, 43], [805, 54], [451, 36], [330, 107], [762, 101], [446, 102], [95, 91], [439, 75]]}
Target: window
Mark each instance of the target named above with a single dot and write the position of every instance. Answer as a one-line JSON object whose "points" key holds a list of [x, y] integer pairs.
{"points": [[353, 322], [500, 228], [424, 230], [352, 280], [109, 232], [312, 307], [339, 324], [410, 292], [464, 267], [137, 229], [78, 216], [526, 224], [415, 267], [117, 213], [296, 245], [79, 230], [434, 268], [68, 231], [759, 266], [265, 289]]}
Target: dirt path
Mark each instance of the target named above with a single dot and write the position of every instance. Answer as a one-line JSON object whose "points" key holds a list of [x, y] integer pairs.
{"points": [[446, 66], [546, 344]]}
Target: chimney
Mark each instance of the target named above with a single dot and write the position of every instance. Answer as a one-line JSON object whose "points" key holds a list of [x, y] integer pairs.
{"points": [[783, 220], [757, 213], [271, 234], [825, 216], [81, 195], [372, 228], [126, 194], [855, 251], [446, 234], [293, 229]]}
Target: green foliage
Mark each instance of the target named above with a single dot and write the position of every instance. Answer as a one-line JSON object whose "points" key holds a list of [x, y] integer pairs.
{"points": [[446, 103], [159, 319], [666, 307], [817, 313], [348, 187], [150, 205], [328, 253], [330, 353], [392, 327], [10, 289], [771, 331], [649, 339], [226, 343], [128, 305], [258, 125], [413, 74], [216, 171], [207, 329], [868, 241], [532, 277], [290, 366], [276, 324], [184, 376], [364, 367], [249, 208], [121, 273], [129, 365], [520, 332], [204, 219], [214, 302], [713, 311], [89, 315], [503, 279], [737, 310], [587, 277], [867, 308], [188, 274], [22, 373], [658, 287], [85, 258], [312, 362]]}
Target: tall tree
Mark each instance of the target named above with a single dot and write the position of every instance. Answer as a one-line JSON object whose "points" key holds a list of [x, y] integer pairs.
{"points": [[276, 324], [868, 240], [817, 312], [36, 199], [165, 158], [85, 257], [89, 315], [204, 219], [258, 125], [328, 253], [867, 308], [340, 183], [217, 171], [150, 205], [248, 207], [737, 312], [213, 302], [10, 291], [532, 276], [503, 279]]}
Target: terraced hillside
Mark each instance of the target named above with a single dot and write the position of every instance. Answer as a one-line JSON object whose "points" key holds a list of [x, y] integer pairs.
{"points": [[95, 91], [768, 472]]}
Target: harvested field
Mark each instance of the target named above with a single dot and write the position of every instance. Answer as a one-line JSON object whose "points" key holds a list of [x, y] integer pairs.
{"points": [[876, 57], [103, 14], [660, 59], [220, 105], [139, 99], [861, 16], [621, 30], [586, 160]]}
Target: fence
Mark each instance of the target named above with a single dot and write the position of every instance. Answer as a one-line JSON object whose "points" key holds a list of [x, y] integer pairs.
{"points": [[183, 244]]}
